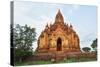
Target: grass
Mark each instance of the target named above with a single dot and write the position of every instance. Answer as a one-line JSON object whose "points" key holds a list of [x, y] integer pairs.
{"points": [[69, 60], [33, 63]]}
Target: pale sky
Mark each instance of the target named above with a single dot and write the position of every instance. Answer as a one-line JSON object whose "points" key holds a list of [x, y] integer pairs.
{"points": [[37, 15]]}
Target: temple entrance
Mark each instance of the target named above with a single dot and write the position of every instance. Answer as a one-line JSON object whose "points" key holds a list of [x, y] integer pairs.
{"points": [[59, 42]]}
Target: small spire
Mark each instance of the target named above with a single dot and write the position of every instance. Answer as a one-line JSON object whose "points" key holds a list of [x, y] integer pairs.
{"points": [[47, 25], [50, 24], [71, 26], [59, 11], [67, 25], [59, 17]]}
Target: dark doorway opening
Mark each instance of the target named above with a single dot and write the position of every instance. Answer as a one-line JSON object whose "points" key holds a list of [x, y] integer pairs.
{"points": [[59, 42]]}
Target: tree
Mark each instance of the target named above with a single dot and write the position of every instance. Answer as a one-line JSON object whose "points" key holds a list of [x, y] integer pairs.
{"points": [[94, 45], [86, 49], [24, 36]]}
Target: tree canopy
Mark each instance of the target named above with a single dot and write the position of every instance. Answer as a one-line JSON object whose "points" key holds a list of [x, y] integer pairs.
{"points": [[24, 36], [86, 49], [94, 44]]}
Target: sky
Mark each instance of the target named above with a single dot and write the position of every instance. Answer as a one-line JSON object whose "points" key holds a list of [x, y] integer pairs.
{"points": [[82, 17]]}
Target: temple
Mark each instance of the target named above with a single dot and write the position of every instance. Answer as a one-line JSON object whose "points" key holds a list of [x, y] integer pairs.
{"points": [[58, 37]]}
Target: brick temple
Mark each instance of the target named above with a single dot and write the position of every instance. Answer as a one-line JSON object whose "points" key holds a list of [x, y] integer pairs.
{"points": [[58, 37]]}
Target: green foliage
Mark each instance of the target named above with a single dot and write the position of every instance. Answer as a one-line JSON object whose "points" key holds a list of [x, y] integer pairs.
{"points": [[33, 63], [94, 45], [24, 36], [86, 49]]}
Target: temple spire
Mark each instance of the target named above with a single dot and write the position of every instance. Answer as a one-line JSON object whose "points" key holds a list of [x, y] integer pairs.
{"points": [[59, 17]]}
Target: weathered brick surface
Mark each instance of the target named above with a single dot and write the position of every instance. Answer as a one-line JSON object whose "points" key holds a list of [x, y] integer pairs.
{"points": [[60, 56]]}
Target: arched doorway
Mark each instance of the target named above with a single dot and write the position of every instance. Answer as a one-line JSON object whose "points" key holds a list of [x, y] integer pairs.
{"points": [[59, 46]]}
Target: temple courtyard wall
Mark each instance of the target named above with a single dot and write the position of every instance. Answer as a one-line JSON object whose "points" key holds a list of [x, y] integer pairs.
{"points": [[54, 57]]}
